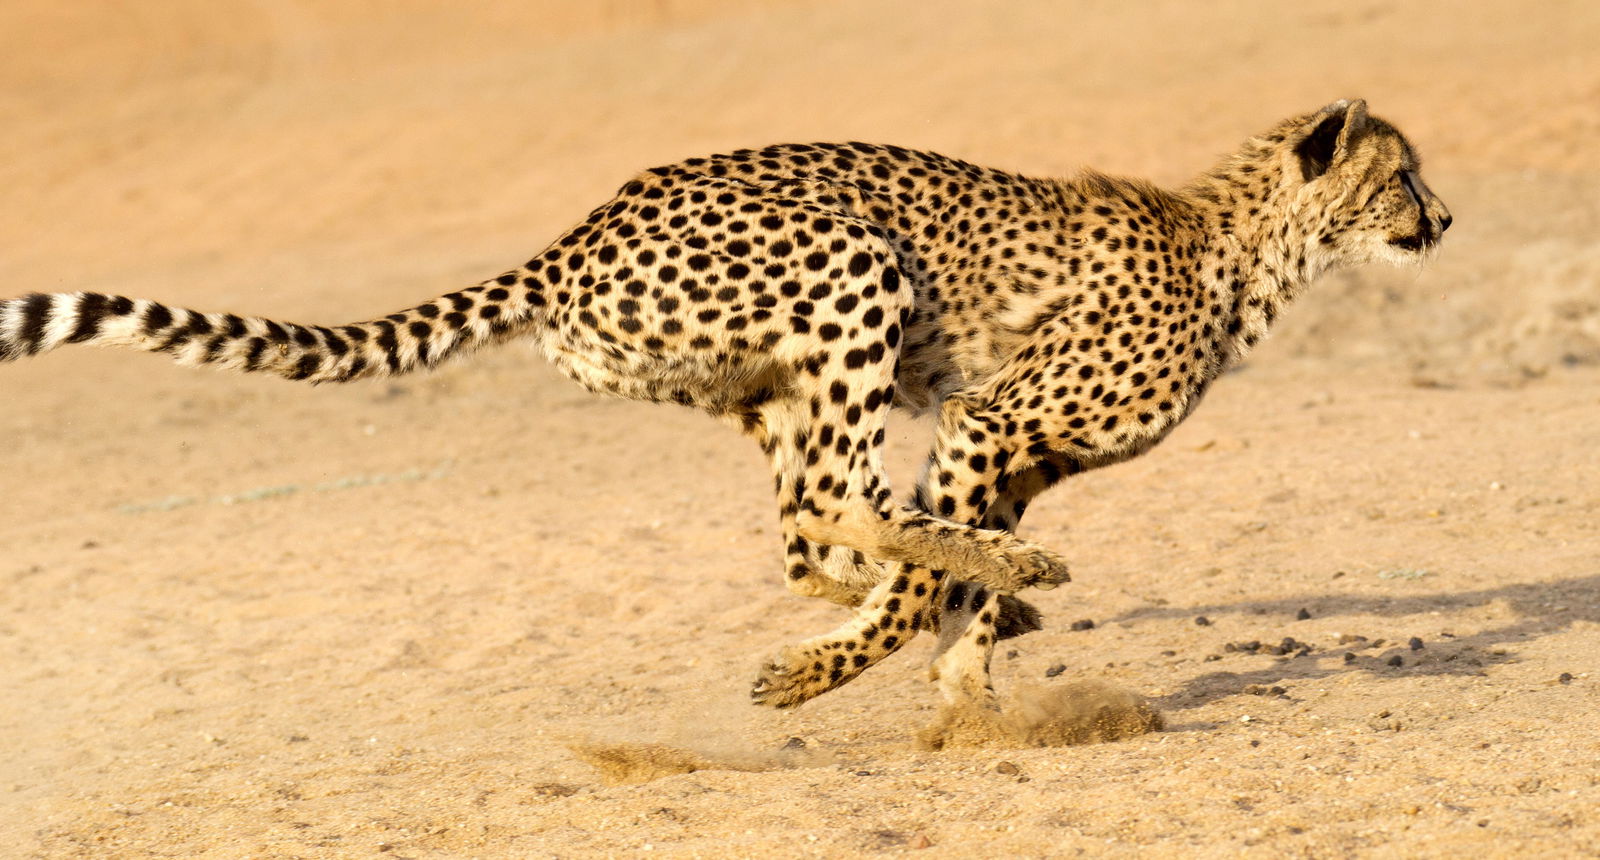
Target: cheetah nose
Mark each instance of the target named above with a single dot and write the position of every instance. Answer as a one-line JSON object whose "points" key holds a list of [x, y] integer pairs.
{"points": [[1444, 222]]}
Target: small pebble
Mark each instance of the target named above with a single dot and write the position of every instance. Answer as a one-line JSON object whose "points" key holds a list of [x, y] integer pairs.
{"points": [[1347, 638], [919, 842], [1055, 670], [1349, 657], [1013, 654], [1303, 614], [1564, 678], [1202, 621], [1415, 644], [1083, 624], [795, 744], [1007, 768], [1169, 653], [1396, 661]]}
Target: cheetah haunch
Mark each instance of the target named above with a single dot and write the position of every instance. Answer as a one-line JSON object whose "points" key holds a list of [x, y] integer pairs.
{"points": [[799, 291]]}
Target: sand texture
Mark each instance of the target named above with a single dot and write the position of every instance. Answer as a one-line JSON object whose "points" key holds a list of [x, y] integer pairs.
{"points": [[480, 613]]}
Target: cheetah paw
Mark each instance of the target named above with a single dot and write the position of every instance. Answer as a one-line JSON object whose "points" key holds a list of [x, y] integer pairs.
{"points": [[1045, 570], [780, 685], [1025, 566]]}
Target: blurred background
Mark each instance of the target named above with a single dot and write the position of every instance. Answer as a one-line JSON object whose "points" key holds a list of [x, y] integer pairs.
{"points": [[242, 617]]}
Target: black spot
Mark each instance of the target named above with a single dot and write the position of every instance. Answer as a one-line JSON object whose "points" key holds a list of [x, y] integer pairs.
{"points": [[860, 263], [306, 366], [252, 357], [90, 311], [35, 314], [156, 317]]}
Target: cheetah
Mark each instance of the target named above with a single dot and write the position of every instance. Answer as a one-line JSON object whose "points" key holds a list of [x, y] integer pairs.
{"points": [[799, 292]]}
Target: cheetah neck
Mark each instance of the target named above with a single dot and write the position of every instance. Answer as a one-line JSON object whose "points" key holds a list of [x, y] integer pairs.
{"points": [[1255, 256]]}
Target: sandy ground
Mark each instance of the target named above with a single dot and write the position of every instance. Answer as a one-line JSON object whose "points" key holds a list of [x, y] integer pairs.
{"points": [[240, 618]]}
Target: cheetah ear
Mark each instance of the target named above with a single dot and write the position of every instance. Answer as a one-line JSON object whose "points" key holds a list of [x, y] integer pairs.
{"points": [[1332, 130]]}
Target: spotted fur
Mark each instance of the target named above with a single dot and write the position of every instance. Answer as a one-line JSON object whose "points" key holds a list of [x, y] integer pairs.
{"points": [[801, 291]]}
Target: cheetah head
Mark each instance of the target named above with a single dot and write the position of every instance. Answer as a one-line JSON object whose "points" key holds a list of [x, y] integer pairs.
{"points": [[1360, 191]]}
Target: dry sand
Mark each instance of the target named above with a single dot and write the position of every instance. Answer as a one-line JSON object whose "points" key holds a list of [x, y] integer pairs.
{"points": [[242, 618]]}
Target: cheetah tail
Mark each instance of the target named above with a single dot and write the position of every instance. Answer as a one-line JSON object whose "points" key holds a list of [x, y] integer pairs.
{"points": [[413, 339]]}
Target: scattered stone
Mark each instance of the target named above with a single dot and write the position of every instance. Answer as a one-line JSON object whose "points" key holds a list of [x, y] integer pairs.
{"points": [[919, 842], [1414, 644], [1303, 614], [1055, 670], [795, 744], [1349, 657], [1564, 678], [1007, 768], [1377, 643], [1348, 638], [1013, 654], [1082, 624], [863, 773], [1264, 690], [1396, 661], [553, 789], [1212, 658], [298, 739], [1202, 621], [1169, 653]]}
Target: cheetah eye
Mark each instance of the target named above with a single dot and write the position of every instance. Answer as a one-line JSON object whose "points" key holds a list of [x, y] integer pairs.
{"points": [[1410, 186]]}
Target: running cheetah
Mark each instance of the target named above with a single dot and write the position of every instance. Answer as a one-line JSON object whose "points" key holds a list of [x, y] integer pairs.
{"points": [[800, 291]]}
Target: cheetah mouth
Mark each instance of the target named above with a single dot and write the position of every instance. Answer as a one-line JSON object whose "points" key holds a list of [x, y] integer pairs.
{"points": [[1416, 243]]}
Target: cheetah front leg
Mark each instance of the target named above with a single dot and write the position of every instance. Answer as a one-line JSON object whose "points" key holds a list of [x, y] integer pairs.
{"points": [[971, 618]]}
